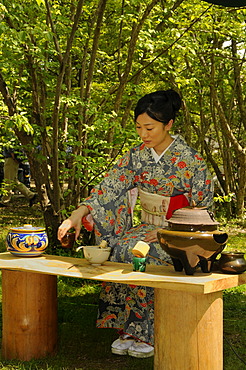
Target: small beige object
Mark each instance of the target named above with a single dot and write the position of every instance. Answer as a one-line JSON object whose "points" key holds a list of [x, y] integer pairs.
{"points": [[141, 249], [103, 244]]}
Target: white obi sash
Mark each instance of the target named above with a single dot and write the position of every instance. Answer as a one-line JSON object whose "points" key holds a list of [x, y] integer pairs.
{"points": [[154, 208]]}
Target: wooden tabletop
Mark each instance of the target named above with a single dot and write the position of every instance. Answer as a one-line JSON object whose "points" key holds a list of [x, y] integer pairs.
{"points": [[164, 277]]}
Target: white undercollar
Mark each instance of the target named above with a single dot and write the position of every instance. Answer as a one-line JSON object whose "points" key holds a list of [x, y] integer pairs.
{"points": [[156, 156]]}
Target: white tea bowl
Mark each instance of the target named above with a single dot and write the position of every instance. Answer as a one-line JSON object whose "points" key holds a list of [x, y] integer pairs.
{"points": [[96, 255]]}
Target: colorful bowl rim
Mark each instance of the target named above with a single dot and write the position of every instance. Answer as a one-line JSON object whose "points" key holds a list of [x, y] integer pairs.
{"points": [[22, 229]]}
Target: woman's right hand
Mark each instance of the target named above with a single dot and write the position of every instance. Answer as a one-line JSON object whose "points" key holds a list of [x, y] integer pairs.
{"points": [[74, 221]]}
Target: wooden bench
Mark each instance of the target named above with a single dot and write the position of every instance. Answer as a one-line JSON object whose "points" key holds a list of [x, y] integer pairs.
{"points": [[188, 309]]}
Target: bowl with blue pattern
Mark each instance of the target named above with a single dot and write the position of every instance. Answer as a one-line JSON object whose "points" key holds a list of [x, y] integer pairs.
{"points": [[27, 241]]}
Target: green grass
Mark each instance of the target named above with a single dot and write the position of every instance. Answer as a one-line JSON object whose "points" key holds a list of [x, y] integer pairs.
{"points": [[235, 328], [83, 347]]}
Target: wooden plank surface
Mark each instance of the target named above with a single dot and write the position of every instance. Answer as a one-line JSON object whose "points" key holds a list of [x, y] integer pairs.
{"points": [[164, 277]]}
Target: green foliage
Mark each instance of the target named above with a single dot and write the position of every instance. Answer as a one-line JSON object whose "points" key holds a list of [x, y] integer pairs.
{"points": [[20, 121], [224, 198]]}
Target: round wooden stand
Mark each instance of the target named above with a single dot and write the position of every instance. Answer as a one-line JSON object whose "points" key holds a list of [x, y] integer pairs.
{"points": [[29, 315]]}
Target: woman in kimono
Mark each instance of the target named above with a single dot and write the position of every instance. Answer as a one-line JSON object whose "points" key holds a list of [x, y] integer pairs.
{"points": [[167, 174]]}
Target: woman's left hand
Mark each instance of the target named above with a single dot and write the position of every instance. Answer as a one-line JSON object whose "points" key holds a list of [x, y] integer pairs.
{"points": [[151, 236]]}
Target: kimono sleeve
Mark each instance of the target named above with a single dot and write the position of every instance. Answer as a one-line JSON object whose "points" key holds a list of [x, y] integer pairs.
{"points": [[202, 189], [109, 202]]}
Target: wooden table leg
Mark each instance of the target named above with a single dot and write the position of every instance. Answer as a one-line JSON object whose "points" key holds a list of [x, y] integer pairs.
{"points": [[188, 330], [29, 315]]}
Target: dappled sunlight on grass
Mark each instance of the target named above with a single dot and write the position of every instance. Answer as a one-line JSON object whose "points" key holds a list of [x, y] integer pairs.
{"points": [[73, 287]]}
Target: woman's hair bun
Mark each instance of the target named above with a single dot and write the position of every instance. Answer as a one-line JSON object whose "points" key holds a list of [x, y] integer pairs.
{"points": [[160, 105], [175, 98]]}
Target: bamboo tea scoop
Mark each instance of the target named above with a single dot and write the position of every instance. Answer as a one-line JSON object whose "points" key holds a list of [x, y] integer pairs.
{"points": [[102, 245]]}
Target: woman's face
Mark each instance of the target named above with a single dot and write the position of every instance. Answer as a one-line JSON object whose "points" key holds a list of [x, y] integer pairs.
{"points": [[153, 133]]}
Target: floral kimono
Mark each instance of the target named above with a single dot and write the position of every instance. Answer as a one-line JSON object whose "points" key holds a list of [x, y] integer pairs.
{"points": [[178, 177]]}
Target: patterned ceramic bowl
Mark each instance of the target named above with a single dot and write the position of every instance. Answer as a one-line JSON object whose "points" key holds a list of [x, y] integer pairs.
{"points": [[27, 241]]}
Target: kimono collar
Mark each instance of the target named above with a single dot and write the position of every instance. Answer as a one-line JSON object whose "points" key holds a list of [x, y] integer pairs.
{"points": [[158, 157]]}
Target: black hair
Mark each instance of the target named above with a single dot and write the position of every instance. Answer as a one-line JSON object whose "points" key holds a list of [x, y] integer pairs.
{"points": [[160, 105]]}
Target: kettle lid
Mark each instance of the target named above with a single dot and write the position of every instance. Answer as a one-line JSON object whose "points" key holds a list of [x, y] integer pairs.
{"points": [[193, 215]]}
